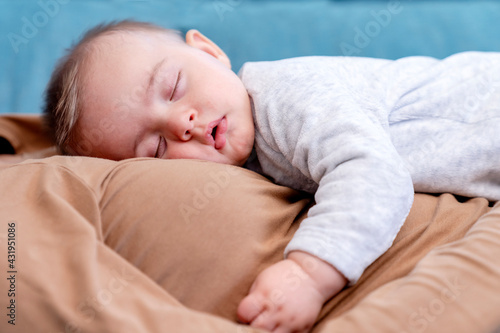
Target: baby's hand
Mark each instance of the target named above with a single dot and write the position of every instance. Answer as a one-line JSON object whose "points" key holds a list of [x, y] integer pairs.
{"points": [[288, 296]]}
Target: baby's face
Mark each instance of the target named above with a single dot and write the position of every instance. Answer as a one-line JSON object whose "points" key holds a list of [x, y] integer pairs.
{"points": [[149, 95]]}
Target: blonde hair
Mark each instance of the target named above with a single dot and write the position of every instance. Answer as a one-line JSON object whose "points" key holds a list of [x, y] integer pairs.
{"points": [[63, 102]]}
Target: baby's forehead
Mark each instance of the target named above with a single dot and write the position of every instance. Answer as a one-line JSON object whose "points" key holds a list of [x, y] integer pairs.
{"points": [[103, 44], [112, 59], [114, 46], [134, 37], [110, 48], [118, 55]]}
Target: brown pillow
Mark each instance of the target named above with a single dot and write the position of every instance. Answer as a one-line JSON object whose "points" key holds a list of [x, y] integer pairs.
{"points": [[60, 276], [200, 230]]}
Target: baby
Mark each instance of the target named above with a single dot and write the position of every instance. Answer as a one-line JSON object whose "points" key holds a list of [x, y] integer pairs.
{"points": [[361, 134]]}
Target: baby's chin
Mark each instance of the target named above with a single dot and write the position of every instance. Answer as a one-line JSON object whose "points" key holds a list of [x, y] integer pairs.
{"points": [[235, 159], [243, 158]]}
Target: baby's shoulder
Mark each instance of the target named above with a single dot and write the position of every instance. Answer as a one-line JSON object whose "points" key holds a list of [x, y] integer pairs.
{"points": [[290, 65], [322, 68]]}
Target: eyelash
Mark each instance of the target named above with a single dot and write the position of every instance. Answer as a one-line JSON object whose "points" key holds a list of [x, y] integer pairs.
{"points": [[161, 141], [175, 86]]}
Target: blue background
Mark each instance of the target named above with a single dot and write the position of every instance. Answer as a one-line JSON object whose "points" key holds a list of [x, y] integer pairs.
{"points": [[35, 33]]}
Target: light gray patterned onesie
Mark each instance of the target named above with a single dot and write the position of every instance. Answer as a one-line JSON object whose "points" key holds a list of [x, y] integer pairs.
{"points": [[363, 134]]}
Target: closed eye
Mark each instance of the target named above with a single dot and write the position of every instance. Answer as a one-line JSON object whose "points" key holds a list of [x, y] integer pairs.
{"points": [[161, 147], [177, 79]]}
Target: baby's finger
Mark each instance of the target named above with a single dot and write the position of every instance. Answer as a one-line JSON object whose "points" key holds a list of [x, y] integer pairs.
{"points": [[265, 321], [249, 308]]}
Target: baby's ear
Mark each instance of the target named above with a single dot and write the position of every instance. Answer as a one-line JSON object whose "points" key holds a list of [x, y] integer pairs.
{"points": [[196, 39]]}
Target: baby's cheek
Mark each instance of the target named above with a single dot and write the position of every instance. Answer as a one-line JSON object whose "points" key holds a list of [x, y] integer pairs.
{"points": [[183, 151]]}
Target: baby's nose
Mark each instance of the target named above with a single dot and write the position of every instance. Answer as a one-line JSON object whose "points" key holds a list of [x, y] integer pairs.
{"points": [[183, 127]]}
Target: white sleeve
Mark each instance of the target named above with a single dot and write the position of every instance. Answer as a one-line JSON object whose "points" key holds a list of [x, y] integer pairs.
{"points": [[324, 120]]}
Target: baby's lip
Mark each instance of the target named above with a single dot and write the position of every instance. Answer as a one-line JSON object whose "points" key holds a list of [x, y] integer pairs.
{"points": [[215, 134]]}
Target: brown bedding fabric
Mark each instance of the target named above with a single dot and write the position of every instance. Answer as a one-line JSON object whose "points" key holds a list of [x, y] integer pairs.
{"points": [[113, 250], [453, 288], [24, 132], [65, 277], [119, 246]]}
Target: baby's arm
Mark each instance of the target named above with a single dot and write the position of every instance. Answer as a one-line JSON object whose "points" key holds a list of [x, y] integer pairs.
{"points": [[322, 127], [288, 296]]}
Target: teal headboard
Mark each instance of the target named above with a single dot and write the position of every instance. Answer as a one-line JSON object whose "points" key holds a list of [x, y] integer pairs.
{"points": [[34, 33]]}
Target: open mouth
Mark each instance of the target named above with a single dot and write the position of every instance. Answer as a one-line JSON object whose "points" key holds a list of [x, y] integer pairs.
{"points": [[217, 133], [214, 131]]}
